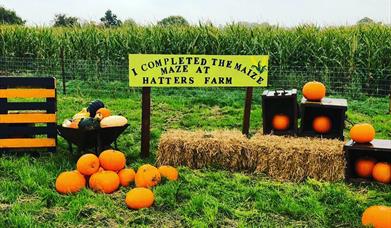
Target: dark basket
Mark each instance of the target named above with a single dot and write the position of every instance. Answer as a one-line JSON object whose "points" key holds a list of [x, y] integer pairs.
{"points": [[86, 139]]}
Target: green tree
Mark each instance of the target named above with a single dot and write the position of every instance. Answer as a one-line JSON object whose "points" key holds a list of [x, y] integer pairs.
{"points": [[173, 20], [365, 20], [110, 19], [129, 22], [10, 17], [65, 21]]}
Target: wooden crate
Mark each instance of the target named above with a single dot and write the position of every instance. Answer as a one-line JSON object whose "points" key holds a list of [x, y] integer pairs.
{"points": [[333, 108], [279, 102], [26, 123], [378, 149]]}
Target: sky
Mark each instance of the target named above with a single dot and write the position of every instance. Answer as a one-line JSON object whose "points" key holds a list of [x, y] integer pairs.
{"points": [[277, 12]]}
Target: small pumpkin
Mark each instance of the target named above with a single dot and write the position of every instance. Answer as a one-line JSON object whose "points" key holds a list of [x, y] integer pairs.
{"points": [[81, 115], [89, 124], [126, 176], [362, 133], [67, 123], [377, 216], [321, 124], [112, 160], [70, 182], [364, 167], [102, 113], [147, 176], [138, 198], [382, 172], [95, 106], [280, 122], [168, 172], [314, 91], [88, 164], [113, 121], [104, 181]]}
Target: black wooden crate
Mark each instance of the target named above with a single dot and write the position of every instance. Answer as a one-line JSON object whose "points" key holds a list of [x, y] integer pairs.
{"points": [[378, 149], [333, 108], [279, 102]]}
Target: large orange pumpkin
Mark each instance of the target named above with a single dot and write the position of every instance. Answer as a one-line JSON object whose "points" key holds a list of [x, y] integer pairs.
{"points": [[88, 164], [382, 172], [321, 124], [364, 167], [126, 176], [377, 216], [280, 122], [168, 172], [362, 133], [112, 160], [70, 182], [314, 91], [104, 181], [147, 176], [138, 198]]}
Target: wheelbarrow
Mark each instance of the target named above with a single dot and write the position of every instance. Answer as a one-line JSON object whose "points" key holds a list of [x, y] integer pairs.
{"points": [[84, 139]]}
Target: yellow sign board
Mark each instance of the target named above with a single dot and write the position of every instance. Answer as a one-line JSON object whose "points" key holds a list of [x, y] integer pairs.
{"points": [[158, 70]]}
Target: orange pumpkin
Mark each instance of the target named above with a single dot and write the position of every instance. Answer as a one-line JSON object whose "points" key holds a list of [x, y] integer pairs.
{"points": [[362, 133], [280, 122], [382, 172], [88, 164], [147, 176], [70, 182], [364, 167], [314, 91], [112, 160], [102, 113], [377, 216], [168, 172], [321, 124], [138, 198], [105, 181], [126, 176]]}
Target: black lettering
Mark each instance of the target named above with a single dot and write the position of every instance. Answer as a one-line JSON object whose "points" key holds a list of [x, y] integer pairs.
{"points": [[158, 63], [206, 68], [142, 67], [221, 62], [214, 61], [199, 71], [145, 80], [153, 81], [229, 62], [203, 61], [181, 60], [176, 80], [260, 80], [238, 66], [183, 80], [164, 70], [173, 62], [185, 68], [191, 80], [134, 71], [244, 70], [189, 60], [228, 80], [166, 61]]}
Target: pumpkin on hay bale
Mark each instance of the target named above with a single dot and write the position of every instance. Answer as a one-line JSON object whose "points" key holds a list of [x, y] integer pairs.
{"points": [[198, 149], [295, 159]]}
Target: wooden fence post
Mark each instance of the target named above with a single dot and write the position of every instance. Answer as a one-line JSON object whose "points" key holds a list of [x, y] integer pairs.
{"points": [[145, 121], [247, 111]]}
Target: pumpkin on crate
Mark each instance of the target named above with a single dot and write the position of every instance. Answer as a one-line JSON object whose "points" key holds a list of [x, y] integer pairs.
{"points": [[113, 121], [314, 91], [321, 124], [362, 133], [138, 198], [364, 167], [382, 172], [280, 122], [70, 182]]}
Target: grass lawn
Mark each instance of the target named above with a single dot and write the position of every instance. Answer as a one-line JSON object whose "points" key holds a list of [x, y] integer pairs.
{"points": [[201, 198]]}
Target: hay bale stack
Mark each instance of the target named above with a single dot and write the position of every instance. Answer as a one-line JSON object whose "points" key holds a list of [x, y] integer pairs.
{"points": [[294, 159], [225, 149]]}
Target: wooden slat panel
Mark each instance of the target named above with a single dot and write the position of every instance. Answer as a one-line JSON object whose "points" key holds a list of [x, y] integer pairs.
{"points": [[27, 143], [27, 93], [28, 118], [10, 106], [31, 82], [15, 131]]}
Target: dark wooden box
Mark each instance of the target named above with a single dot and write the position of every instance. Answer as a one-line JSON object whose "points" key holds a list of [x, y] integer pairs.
{"points": [[331, 107], [279, 102], [378, 149]]}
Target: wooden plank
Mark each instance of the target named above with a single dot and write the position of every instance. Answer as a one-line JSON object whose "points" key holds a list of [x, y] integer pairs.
{"points": [[145, 121], [27, 118], [27, 143], [247, 111], [27, 93], [30, 82], [9, 130], [11, 106]]}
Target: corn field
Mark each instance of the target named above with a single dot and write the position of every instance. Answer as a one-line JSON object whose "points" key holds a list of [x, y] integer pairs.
{"points": [[353, 59]]}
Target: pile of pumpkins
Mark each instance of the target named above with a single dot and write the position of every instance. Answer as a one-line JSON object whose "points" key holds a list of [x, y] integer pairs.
{"points": [[312, 91], [367, 167], [106, 173], [93, 117]]}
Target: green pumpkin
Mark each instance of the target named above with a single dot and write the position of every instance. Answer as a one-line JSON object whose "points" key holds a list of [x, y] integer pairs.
{"points": [[89, 123]]}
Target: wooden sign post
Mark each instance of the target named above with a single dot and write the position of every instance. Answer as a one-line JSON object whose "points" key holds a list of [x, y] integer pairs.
{"points": [[148, 71]]}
